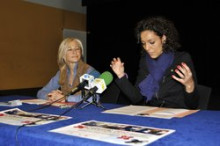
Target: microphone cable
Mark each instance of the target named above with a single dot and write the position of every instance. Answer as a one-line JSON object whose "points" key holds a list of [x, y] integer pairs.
{"points": [[72, 107], [16, 134], [54, 118], [33, 123], [59, 99], [84, 99], [48, 104], [78, 103]]}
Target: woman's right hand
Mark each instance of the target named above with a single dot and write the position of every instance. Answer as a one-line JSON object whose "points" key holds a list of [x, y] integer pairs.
{"points": [[55, 95], [118, 67]]}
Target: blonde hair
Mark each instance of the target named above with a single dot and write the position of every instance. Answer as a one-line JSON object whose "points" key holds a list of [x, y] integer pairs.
{"points": [[64, 46]]}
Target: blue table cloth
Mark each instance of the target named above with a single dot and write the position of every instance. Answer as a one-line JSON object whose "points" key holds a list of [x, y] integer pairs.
{"points": [[198, 129]]}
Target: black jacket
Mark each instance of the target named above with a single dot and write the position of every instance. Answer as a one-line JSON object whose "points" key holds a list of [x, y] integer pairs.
{"points": [[170, 94]]}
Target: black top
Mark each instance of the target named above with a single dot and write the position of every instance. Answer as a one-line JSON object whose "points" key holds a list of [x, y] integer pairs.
{"points": [[170, 94]]}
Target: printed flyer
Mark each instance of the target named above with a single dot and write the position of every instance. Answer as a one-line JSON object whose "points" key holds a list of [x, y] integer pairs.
{"points": [[116, 133], [18, 117]]}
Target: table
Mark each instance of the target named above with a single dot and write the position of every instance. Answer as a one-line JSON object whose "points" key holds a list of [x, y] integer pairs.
{"points": [[199, 129]]}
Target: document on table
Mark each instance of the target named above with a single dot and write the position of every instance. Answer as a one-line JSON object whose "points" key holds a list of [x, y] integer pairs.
{"points": [[46, 102], [35, 101], [19, 117], [117, 133], [149, 111]]}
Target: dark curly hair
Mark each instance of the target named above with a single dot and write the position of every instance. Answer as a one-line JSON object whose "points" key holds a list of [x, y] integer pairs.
{"points": [[161, 26]]}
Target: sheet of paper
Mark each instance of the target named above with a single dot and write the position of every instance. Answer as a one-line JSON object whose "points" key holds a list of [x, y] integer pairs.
{"points": [[130, 110], [116, 133], [35, 101], [42, 101], [149, 111], [18, 117]]}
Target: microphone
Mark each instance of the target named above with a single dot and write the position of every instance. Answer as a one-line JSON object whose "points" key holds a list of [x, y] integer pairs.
{"points": [[99, 84], [85, 82]]}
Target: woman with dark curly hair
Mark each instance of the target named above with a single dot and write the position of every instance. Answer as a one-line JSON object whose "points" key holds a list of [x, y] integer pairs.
{"points": [[166, 77]]}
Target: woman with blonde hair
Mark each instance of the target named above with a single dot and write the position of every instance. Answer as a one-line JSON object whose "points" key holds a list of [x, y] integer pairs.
{"points": [[71, 68]]}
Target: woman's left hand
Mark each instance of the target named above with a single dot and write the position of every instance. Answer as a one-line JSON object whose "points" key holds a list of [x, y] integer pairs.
{"points": [[185, 77]]}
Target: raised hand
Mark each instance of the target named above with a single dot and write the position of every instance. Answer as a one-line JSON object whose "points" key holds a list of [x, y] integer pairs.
{"points": [[118, 67], [185, 77]]}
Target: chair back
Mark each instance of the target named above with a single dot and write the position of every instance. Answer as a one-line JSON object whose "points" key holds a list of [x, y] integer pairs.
{"points": [[204, 93]]}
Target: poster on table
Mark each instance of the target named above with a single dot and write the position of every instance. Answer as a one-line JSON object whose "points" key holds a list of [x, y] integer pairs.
{"points": [[115, 133], [19, 117]]}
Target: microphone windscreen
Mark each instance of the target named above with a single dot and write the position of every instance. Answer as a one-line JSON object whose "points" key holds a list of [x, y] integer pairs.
{"points": [[107, 77], [94, 73]]}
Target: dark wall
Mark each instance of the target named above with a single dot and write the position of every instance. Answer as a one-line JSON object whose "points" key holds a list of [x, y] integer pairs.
{"points": [[111, 24]]}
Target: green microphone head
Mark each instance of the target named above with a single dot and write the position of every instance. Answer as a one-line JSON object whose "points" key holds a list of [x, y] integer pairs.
{"points": [[107, 77]]}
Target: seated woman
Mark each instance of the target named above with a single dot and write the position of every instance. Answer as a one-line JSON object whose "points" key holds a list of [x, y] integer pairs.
{"points": [[166, 77], [71, 68]]}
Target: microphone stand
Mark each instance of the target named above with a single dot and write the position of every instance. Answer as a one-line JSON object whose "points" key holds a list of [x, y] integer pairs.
{"points": [[94, 101], [77, 104], [84, 99]]}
